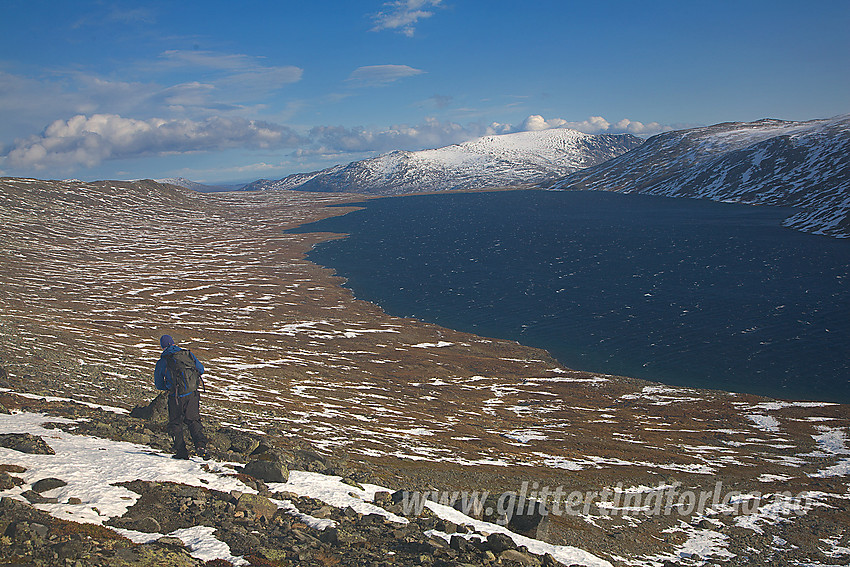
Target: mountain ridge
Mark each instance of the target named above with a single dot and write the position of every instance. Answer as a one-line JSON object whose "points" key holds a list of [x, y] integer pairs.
{"points": [[490, 161], [805, 165]]}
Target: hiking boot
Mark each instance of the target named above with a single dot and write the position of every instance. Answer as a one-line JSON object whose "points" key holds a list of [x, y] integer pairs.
{"points": [[183, 456]]}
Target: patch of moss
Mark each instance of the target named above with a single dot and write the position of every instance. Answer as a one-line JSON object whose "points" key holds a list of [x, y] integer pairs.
{"points": [[65, 528]]}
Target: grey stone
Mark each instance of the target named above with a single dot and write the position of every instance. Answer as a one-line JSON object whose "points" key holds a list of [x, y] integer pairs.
{"points": [[533, 521], [34, 497], [383, 498], [46, 484], [242, 443], [157, 410], [26, 443], [8, 481], [256, 506], [518, 557], [460, 543], [340, 536], [499, 542], [267, 471], [147, 525]]}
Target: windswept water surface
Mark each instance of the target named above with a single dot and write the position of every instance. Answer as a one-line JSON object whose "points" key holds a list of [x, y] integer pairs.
{"points": [[692, 293]]}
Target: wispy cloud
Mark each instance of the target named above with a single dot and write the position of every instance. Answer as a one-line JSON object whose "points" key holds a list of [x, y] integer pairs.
{"points": [[432, 133], [381, 75], [245, 74], [87, 141], [402, 16]]}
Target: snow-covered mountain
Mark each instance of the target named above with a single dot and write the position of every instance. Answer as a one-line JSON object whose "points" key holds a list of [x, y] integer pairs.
{"points": [[799, 164], [491, 161]]}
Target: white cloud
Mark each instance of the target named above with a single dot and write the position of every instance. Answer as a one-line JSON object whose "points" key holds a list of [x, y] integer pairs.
{"points": [[337, 140], [188, 84], [639, 128], [591, 125], [403, 15], [380, 75], [87, 141]]}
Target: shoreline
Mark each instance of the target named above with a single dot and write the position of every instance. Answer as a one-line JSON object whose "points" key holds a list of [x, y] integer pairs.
{"points": [[769, 392]]}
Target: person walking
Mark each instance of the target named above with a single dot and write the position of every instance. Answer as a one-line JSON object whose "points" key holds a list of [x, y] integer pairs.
{"points": [[178, 371]]}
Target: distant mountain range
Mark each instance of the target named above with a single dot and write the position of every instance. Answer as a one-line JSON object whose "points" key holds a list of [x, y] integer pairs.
{"points": [[523, 158], [805, 165], [195, 186]]}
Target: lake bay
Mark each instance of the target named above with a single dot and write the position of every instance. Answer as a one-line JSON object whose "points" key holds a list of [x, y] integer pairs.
{"points": [[685, 292]]}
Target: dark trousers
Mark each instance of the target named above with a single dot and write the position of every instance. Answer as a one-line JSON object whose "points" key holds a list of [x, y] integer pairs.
{"points": [[186, 410]]}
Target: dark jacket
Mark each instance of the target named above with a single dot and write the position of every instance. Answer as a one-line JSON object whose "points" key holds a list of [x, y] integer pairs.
{"points": [[162, 376]]}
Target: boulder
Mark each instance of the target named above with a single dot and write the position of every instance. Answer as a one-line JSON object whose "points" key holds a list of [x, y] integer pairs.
{"points": [[499, 542], [46, 484], [147, 525], [26, 443], [157, 410], [337, 535], [514, 556], [268, 471], [8, 481], [36, 498], [383, 498], [532, 522], [241, 442], [256, 506]]}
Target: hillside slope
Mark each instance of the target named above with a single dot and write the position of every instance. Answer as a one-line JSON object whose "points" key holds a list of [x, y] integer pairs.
{"points": [[491, 161], [768, 162], [92, 273]]}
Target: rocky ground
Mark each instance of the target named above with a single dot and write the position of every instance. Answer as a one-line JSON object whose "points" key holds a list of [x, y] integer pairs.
{"points": [[252, 525], [92, 274]]}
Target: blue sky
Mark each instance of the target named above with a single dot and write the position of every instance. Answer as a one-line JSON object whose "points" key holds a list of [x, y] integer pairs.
{"points": [[218, 92]]}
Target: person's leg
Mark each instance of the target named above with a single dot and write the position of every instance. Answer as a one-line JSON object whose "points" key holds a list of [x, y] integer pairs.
{"points": [[175, 428], [192, 419]]}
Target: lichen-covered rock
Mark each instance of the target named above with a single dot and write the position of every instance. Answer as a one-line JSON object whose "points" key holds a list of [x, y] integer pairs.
{"points": [[256, 506], [153, 555], [241, 442], [26, 443], [512, 556], [8, 481]]}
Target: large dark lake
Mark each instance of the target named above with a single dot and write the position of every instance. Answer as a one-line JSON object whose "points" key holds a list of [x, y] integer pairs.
{"points": [[686, 292]]}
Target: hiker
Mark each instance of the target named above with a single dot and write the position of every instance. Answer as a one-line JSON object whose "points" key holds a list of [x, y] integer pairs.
{"points": [[179, 372]]}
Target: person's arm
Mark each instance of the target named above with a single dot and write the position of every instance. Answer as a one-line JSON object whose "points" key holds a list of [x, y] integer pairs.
{"points": [[159, 375], [198, 364]]}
